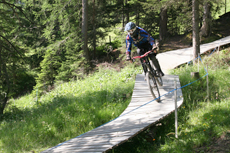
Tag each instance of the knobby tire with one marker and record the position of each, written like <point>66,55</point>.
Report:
<point>153,87</point>
<point>159,80</point>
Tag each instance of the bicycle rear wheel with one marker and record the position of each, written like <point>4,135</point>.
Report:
<point>153,87</point>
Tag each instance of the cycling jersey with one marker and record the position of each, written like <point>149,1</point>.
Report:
<point>141,38</point>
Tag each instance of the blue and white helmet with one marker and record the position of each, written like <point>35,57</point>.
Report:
<point>130,27</point>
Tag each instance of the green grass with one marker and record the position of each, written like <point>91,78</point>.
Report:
<point>69,110</point>
<point>200,119</point>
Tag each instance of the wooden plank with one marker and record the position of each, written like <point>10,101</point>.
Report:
<point>118,132</point>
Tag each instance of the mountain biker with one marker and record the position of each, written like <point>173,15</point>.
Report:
<point>143,41</point>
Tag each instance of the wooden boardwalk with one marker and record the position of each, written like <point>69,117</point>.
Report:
<point>172,59</point>
<point>142,112</point>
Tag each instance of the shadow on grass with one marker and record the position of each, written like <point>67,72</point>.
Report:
<point>58,120</point>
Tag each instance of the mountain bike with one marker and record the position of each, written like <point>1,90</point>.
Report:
<point>153,77</point>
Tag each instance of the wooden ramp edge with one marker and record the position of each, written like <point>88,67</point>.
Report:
<point>142,112</point>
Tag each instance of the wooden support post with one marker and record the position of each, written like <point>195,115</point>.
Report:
<point>175,95</point>
<point>195,75</point>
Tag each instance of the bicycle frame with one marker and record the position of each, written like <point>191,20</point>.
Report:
<point>150,72</point>
<point>146,63</point>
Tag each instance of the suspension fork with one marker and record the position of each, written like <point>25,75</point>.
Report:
<point>149,67</point>
<point>146,65</point>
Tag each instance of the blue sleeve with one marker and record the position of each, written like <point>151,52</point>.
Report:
<point>128,43</point>
<point>151,40</point>
<point>147,36</point>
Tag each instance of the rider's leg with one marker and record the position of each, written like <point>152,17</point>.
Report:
<point>156,64</point>
<point>140,52</point>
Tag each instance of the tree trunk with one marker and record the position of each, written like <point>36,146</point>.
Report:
<point>163,24</point>
<point>4,94</point>
<point>1,98</point>
<point>94,31</point>
<point>4,97</point>
<point>84,28</point>
<point>195,22</point>
<point>127,10</point>
<point>206,27</point>
<point>123,16</point>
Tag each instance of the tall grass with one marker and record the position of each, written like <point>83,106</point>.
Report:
<point>201,118</point>
<point>69,110</point>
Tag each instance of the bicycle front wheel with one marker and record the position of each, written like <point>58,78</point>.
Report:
<point>159,80</point>
<point>153,87</point>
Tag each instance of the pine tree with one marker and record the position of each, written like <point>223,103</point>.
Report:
<point>61,54</point>
<point>84,29</point>
<point>12,51</point>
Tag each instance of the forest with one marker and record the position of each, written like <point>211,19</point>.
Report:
<point>43,42</point>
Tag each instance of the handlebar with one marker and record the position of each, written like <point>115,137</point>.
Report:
<point>145,54</point>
